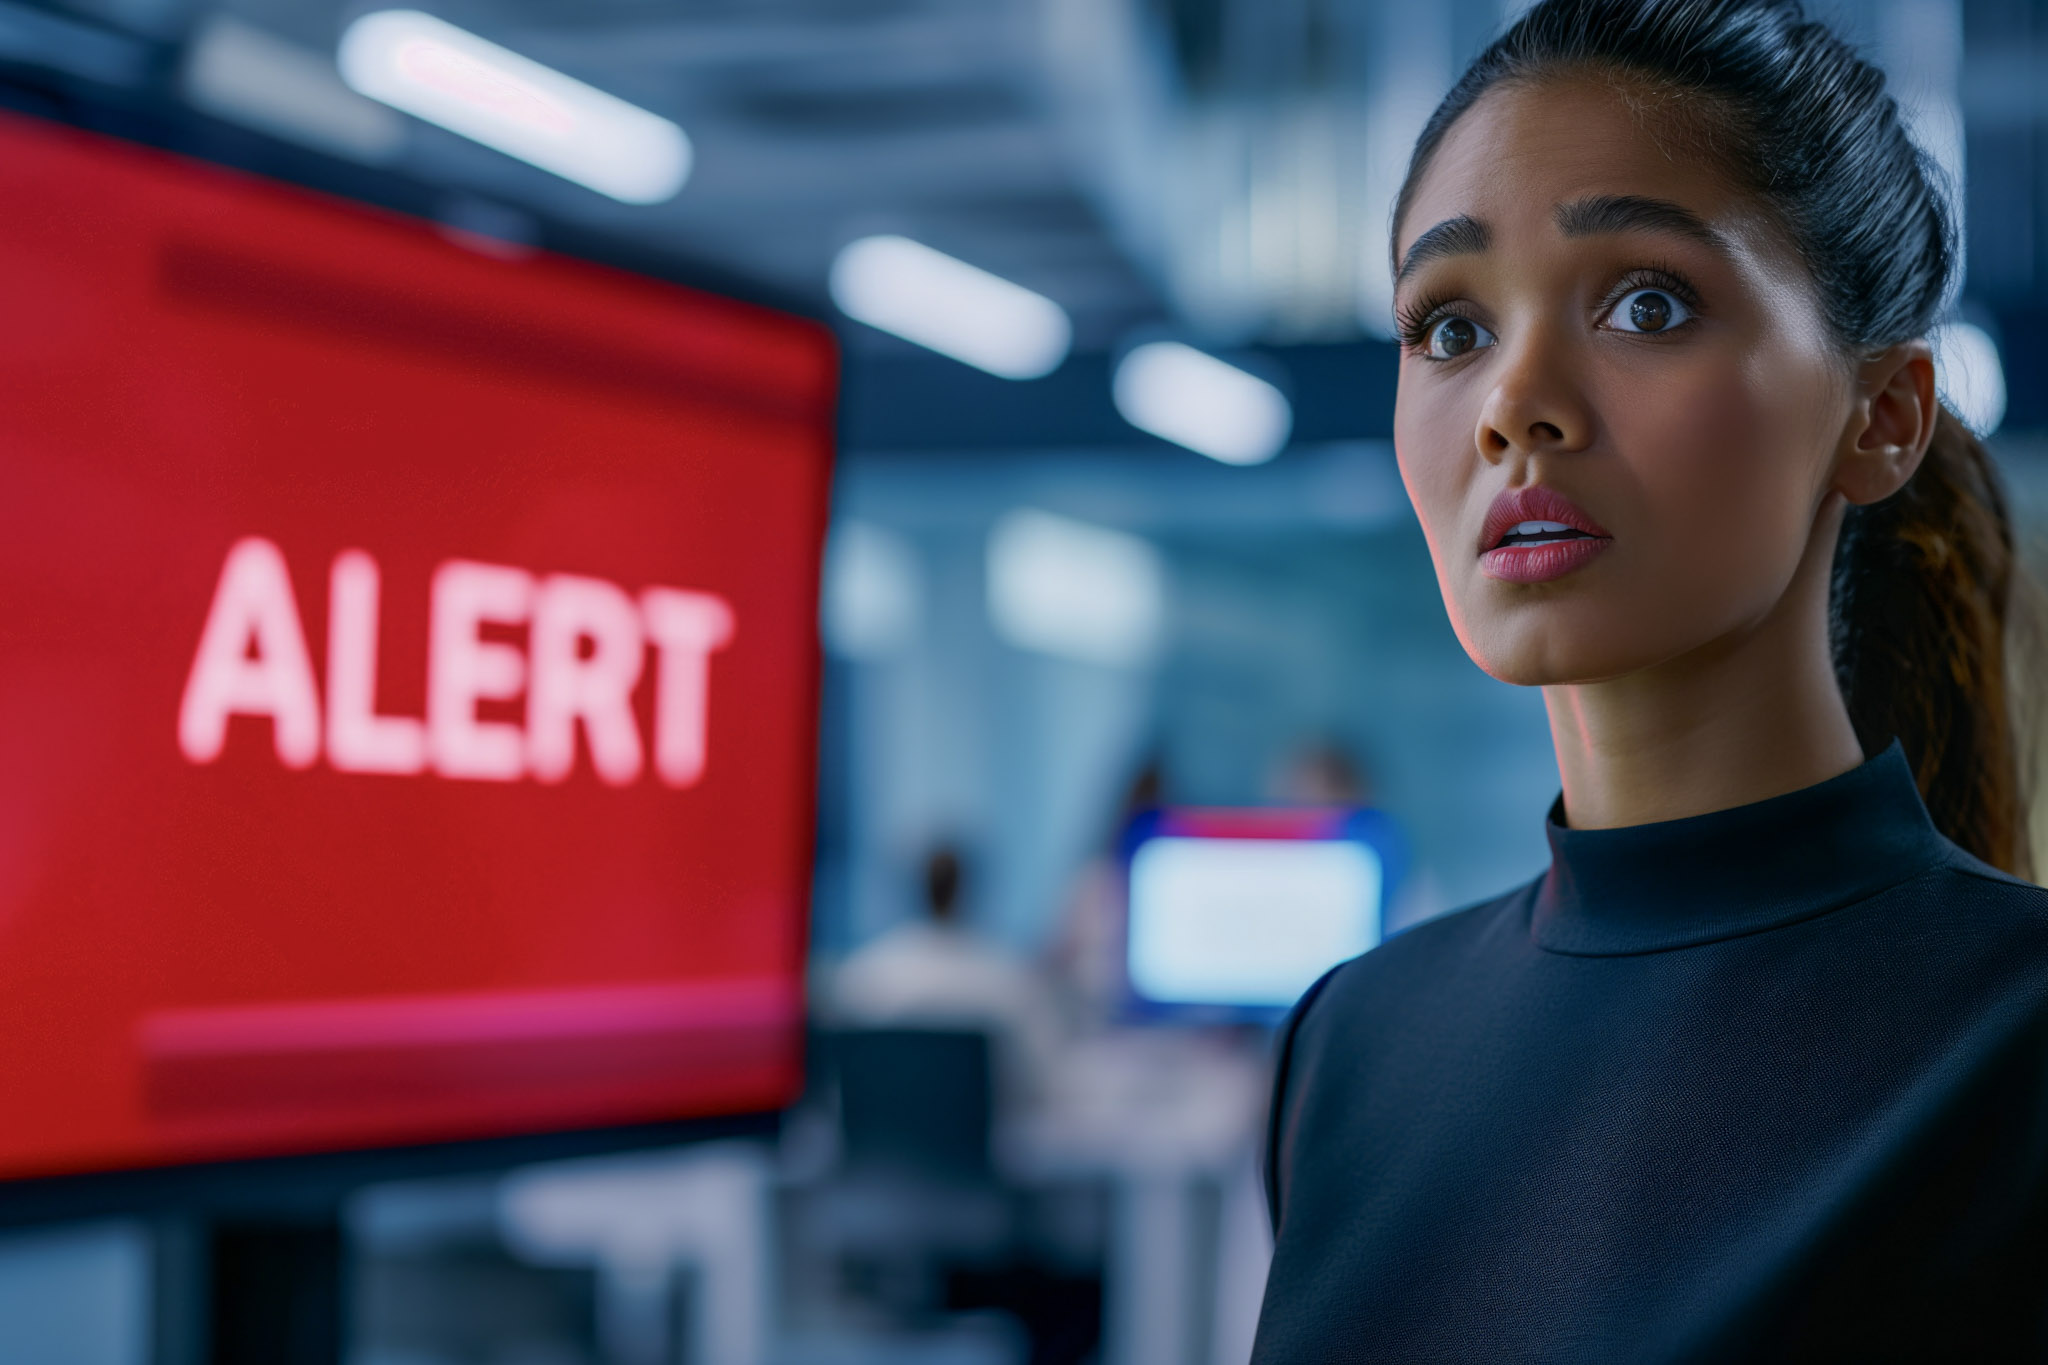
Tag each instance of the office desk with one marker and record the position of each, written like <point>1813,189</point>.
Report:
<point>1162,1115</point>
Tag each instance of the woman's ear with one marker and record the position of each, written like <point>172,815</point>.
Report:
<point>1890,424</point>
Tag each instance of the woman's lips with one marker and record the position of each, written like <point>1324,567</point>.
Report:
<point>1542,562</point>
<point>1555,553</point>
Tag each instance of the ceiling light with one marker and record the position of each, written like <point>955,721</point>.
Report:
<point>873,591</point>
<point>240,72</point>
<point>1193,399</point>
<point>1079,591</point>
<point>440,73</point>
<point>956,309</point>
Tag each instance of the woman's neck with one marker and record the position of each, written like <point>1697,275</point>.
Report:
<point>1752,715</point>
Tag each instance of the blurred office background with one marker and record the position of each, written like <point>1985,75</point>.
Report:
<point>1039,616</point>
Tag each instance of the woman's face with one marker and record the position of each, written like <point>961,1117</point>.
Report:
<point>1619,403</point>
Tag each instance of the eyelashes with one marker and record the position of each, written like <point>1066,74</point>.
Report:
<point>1414,319</point>
<point>1652,277</point>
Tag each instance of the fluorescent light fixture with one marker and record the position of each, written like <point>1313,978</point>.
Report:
<point>1193,399</point>
<point>239,72</point>
<point>440,73</point>
<point>1970,375</point>
<point>873,591</point>
<point>1081,592</point>
<point>953,308</point>
<point>1247,921</point>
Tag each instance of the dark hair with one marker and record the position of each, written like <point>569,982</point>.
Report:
<point>1925,582</point>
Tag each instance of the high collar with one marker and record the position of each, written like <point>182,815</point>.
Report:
<point>1676,883</point>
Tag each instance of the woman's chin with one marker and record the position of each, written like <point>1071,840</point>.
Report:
<point>1527,654</point>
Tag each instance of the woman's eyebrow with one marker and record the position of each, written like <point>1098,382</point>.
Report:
<point>1633,213</point>
<point>1452,237</point>
<point>1591,217</point>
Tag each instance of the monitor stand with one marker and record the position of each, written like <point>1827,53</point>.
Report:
<point>241,1290</point>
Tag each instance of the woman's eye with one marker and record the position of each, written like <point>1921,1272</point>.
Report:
<point>1647,310</point>
<point>1449,338</point>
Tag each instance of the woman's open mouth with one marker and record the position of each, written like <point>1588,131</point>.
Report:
<point>1535,534</point>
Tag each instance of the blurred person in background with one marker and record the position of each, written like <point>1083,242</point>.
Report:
<point>1759,1066</point>
<point>935,971</point>
<point>1085,957</point>
<point>1324,773</point>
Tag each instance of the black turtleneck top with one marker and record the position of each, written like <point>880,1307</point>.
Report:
<point>1769,1083</point>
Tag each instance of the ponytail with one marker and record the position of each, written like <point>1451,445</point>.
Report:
<point>1926,590</point>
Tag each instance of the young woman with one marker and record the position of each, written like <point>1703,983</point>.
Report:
<point>1759,1067</point>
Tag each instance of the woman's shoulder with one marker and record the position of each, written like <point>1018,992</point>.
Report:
<point>1426,955</point>
<point>1976,877</point>
<point>1971,901</point>
<point>1972,913</point>
<point>1379,994</point>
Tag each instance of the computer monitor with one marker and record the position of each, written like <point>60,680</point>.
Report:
<point>1237,912</point>
<point>408,677</point>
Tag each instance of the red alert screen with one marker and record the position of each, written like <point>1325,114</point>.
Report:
<point>408,676</point>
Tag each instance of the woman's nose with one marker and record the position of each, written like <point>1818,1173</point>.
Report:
<point>1533,408</point>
